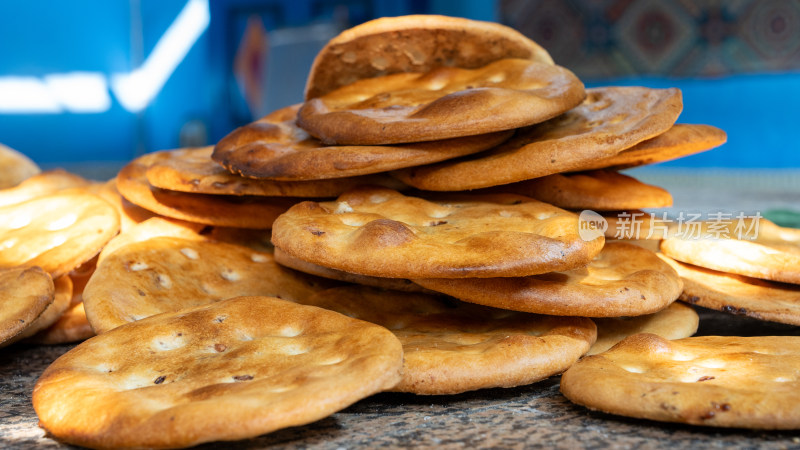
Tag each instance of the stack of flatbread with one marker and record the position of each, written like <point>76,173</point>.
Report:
<point>412,226</point>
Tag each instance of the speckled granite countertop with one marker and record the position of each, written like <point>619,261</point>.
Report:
<point>530,416</point>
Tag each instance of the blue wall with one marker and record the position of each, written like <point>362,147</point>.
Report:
<point>40,37</point>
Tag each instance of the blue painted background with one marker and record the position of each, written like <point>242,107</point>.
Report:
<point>39,37</point>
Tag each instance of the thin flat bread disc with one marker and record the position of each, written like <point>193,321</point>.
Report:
<point>274,147</point>
<point>41,184</point>
<point>382,233</point>
<point>62,298</point>
<point>395,284</point>
<point>193,170</point>
<point>597,190</point>
<point>752,247</point>
<point>679,141</point>
<point>676,321</point>
<point>15,167</point>
<point>152,228</point>
<point>72,326</point>
<point>218,210</point>
<point>129,214</point>
<point>451,347</point>
<point>566,143</point>
<point>416,43</point>
<point>56,232</point>
<point>24,294</point>
<point>228,371</point>
<point>717,381</point>
<point>166,274</point>
<point>623,280</point>
<point>443,103</point>
<point>738,294</point>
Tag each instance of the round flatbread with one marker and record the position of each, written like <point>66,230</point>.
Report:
<point>56,232</point>
<point>15,167</point>
<point>44,183</point>
<point>152,228</point>
<point>25,293</point>
<point>753,247</point>
<point>676,321</point>
<point>166,274</point>
<point>217,210</point>
<point>623,280</point>
<point>62,298</point>
<point>718,381</point>
<point>276,148</point>
<point>129,214</point>
<point>382,233</point>
<point>679,141</point>
<point>193,170</point>
<point>597,190</point>
<point>416,43</point>
<point>451,347</point>
<point>443,103</point>
<point>738,294</point>
<point>396,284</point>
<point>228,371</point>
<point>72,326</point>
<point>566,143</point>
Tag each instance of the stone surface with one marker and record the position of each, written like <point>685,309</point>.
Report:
<point>530,416</point>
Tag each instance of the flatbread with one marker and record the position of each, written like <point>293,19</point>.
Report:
<point>275,147</point>
<point>218,210</point>
<point>597,190</point>
<point>676,321</point>
<point>442,103</point>
<point>129,214</point>
<point>72,326</point>
<point>623,280</point>
<point>382,233</point>
<point>25,293</point>
<point>629,114</point>
<point>166,274</point>
<point>740,382</point>
<point>15,167</point>
<point>416,43</point>
<point>57,232</point>
<point>152,228</point>
<point>193,170</point>
<point>62,298</point>
<point>738,294</point>
<point>451,347</point>
<point>396,284</point>
<point>41,184</point>
<point>228,371</point>
<point>752,247</point>
<point>679,141</point>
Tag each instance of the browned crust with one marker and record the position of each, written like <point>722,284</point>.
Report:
<point>717,381</point>
<point>246,366</point>
<point>444,103</point>
<point>380,232</point>
<point>25,293</point>
<point>679,141</point>
<point>738,294</point>
<point>219,210</point>
<point>451,347</point>
<point>567,143</point>
<point>597,190</point>
<point>416,43</point>
<point>623,280</point>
